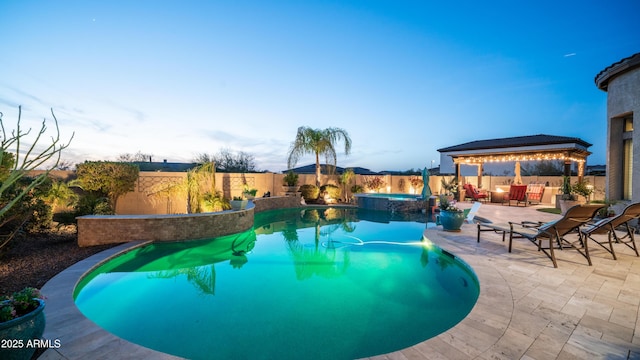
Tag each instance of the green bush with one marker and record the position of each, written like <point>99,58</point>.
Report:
<point>333,191</point>
<point>310,193</point>
<point>92,204</point>
<point>108,178</point>
<point>356,189</point>
<point>291,179</point>
<point>30,212</point>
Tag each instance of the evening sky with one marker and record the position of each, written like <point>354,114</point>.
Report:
<point>404,78</point>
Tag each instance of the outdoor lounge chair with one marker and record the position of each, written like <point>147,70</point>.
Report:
<point>534,193</point>
<point>608,226</point>
<point>553,231</point>
<point>471,214</point>
<point>473,193</point>
<point>517,193</point>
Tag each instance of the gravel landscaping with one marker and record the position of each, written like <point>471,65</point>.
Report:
<point>36,258</point>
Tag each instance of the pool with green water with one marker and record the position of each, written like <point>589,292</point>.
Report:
<point>313,284</point>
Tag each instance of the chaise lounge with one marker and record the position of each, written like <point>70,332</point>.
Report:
<point>554,232</point>
<point>608,226</point>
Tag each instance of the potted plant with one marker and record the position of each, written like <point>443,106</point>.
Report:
<point>451,217</point>
<point>568,198</point>
<point>290,181</point>
<point>582,188</point>
<point>249,193</point>
<point>449,188</point>
<point>21,320</point>
<point>238,203</point>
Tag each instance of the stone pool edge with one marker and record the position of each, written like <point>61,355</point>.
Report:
<point>81,338</point>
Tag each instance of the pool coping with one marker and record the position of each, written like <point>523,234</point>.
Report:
<point>523,310</point>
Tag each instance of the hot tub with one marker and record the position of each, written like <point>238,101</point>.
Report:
<point>391,202</point>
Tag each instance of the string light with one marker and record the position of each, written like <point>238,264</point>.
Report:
<point>480,159</point>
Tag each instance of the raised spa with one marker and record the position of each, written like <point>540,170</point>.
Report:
<point>304,283</point>
<point>391,202</point>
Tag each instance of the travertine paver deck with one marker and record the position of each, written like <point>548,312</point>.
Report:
<point>526,309</point>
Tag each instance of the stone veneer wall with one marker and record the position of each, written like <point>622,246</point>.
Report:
<point>112,229</point>
<point>385,204</point>
<point>278,202</point>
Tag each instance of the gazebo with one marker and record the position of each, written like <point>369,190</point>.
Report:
<point>517,149</point>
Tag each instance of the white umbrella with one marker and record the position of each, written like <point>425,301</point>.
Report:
<point>518,178</point>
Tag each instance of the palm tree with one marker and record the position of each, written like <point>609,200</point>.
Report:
<point>318,141</point>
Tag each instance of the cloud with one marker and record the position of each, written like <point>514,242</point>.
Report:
<point>24,94</point>
<point>135,113</point>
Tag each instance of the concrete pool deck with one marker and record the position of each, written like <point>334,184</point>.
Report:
<point>526,309</point>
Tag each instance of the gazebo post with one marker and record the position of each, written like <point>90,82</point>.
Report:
<point>580,170</point>
<point>480,175</point>
<point>567,167</point>
<point>458,175</point>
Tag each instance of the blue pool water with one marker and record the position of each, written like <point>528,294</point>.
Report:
<point>312,284</point>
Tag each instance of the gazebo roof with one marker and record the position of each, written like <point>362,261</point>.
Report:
<point>518,141</point>
<point>533,147</point>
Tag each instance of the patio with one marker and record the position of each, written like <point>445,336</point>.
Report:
<point>526,309</point>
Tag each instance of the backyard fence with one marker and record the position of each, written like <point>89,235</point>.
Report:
<point>146,199</point>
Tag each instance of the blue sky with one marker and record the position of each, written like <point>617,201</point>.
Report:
<point>404,78</point>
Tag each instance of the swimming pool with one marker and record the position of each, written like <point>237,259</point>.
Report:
<point>313,283</point>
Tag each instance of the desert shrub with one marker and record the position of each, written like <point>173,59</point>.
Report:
<point>30,212</point>
<point>356,189</point>
<point>310,192</point>
<point>215,202</point>
<point>331,190</point>
<point>92,204</point>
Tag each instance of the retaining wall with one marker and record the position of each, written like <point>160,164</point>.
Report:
<point>113,229</point>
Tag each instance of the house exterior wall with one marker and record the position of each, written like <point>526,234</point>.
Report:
<point>623,99</point>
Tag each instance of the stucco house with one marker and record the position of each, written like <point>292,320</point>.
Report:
<point>621,82</point>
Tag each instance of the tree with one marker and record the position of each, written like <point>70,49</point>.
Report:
<point>16,161</point>
<point>345,180</point>
<point>543,168</point>
<point>318,142</point>
<point>137,157</point>
<point>199,187</point>
<point>228,161</point>
<point>65,165</point>
<point>109,178</point>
